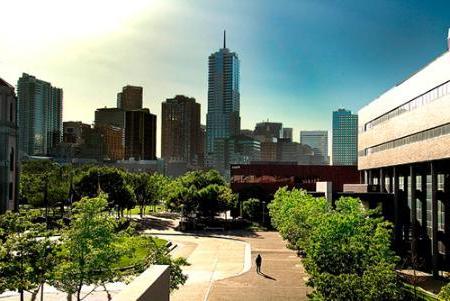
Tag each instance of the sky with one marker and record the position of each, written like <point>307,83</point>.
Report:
<point>300,59</point>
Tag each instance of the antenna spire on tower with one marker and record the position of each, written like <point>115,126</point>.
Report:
<point>224,39</point>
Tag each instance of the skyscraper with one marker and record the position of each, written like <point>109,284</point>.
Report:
<point>268,131</point>
<point>140,135</point>
<point>8,147</point>
<point>40,115</point>
<point>130,98</point>
<point>318,141</point>
<point>345,137</point>
<point>180,131</point>
<point>287,133</point>
<point>223,119</point>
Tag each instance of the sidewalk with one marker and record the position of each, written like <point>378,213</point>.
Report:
<point>282,279</point>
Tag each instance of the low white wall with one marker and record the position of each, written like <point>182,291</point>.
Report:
<point>151,285</point>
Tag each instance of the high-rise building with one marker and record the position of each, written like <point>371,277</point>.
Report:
<point>235,150</point>
<point>73,131</point>
<point>318,141</point>
<point>180,131</point>
<point>8,147</point>
<point>287,133</point>
<point>223,119</point>
<point>39,114</point>
<point>113,141</point>
<point>130,98</point>
<point>268,131</point>
<point>345,138</point>
<point>140,135</point>
<point>110,116</point>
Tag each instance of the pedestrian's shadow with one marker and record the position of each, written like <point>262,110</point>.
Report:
<point>267,276</point>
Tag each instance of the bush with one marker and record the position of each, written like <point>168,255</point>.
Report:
<point>252,209</point>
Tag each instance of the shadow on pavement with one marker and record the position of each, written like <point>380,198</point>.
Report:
<point>267,276</point>
<point>152,223</point>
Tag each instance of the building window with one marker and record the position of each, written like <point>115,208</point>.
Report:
<point>11,160</point>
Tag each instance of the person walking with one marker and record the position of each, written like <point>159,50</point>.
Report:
<point>258,263</point>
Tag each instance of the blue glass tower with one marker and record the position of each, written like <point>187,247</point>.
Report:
<point>345,138</point>
<point>222,119</point>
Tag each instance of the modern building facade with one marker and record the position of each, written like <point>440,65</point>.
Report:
<point>130,98</point>
<point>235,150</point>
<point>287,133</point>
<point>404,149</point>
<point>140,135</point>
<point>180,131</point>
<point>318,141</point>
<point>73,131</point>
<point>113,141</point>
<point>39,115</point>
<point>8,147</point>
<point>268,131</point>
<point>222,119</point>
<point>110,116</point>
<point>345,138</point>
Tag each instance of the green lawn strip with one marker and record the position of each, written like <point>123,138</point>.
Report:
<point>148,209</point>
<point>142,246</point>
<point>420,293</point>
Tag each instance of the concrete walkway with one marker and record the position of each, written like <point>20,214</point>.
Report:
<point>283,275</point>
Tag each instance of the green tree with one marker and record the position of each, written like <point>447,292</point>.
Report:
<point>25,252</point>
<point>252,209</point>
<point>349,255</point>
<point>295,214</point>
<point>444,294</point>
<point>88,248</point>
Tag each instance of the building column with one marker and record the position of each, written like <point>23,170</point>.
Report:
<point>381,180</point>
<point>434,222</point>
<point>397,226</point>
<point>412,186</point>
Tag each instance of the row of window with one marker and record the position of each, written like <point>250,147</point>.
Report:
<point>419,101</point>
<point>417,137</point>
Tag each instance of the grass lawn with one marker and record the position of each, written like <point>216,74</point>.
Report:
<point>148,209</point>
<point>142,247</point>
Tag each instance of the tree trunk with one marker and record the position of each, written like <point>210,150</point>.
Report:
<point>69,296</point>
<point>79,293</point>
<point>21,295</point>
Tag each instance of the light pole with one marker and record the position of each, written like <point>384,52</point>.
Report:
<point>264,213</point>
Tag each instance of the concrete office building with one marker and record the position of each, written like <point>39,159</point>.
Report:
<point>318,141</point>
<point>73,131</point>
<point>180,131</point>
<point>287,133</point>
<point>268,131</point>
<point>130,98</point>
<point>404,149</point>
<point>40,115</point>
<point>8,147</point>
<point>235,150</point>
<point>110,116</point>
<point>345,138</point>
<point>223,119</point>
<point>140,135</point>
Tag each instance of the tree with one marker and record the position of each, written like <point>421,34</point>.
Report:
<point>349,255</point>
<point>88,248</point>
<point>251,209</point>
<point>295,214</point>
<point>25,253</point>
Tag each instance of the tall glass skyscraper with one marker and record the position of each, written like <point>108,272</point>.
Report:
<point>222,119</point>
<point>318,141</point>
<point>345,138</point>
<point>39,115</point>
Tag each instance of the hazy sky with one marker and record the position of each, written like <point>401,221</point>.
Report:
<point>300,59</point>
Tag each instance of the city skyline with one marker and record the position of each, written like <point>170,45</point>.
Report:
<point>286,72</point>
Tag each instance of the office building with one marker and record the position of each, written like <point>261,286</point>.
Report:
<point>222,119</point>
<point>112,141</point>
<point>8,148</point>
<point>73,131</point>
<point>345,138</point>
<point>130,98</point>
<point>268,131</point>
<point>180,131</point>
<point>39,115</point>
<point>140,135</point>
<point>110,116</point>
<point>318,141</point>
<point>287,133</point>
<point>235,150</point>
<point>404,150</point>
